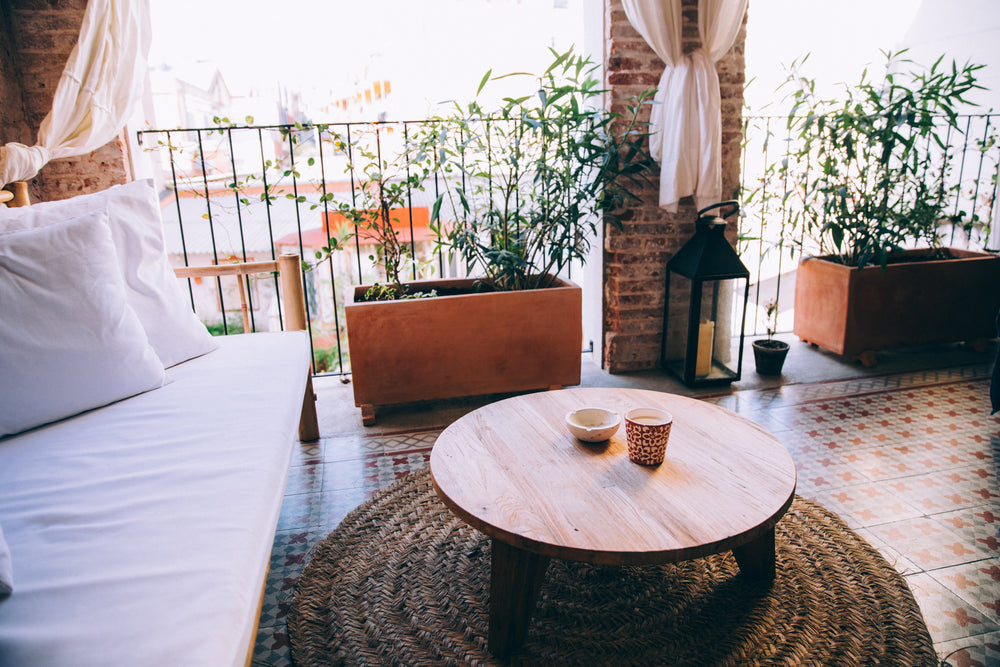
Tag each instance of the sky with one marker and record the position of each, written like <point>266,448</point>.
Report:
<point>967,30</point>
<point>436,50</point>
<point>844,37</point>
<point>431,50</point>
<point>840,37</point>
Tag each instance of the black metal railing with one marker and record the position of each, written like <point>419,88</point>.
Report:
<point>249,192</point>
<point>771,241</point>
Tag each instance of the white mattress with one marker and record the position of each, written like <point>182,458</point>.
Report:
<point>140,533</point>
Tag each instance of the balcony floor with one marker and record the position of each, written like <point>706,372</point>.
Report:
<point>905,452</point>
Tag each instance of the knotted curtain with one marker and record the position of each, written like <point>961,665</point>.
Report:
<point>687,116</point>
<point>102,79</point>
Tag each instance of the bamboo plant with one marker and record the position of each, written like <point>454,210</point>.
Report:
<point>530,182</point>
<point>869,168</point>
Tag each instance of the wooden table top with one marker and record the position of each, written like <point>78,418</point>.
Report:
<point>514,471</point>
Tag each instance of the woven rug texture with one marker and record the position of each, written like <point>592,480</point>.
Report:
<point>402,581</point>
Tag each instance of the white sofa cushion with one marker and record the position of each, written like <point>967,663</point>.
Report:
<point>153,290</point>
<point>69,341</point>
<point>141,532</point>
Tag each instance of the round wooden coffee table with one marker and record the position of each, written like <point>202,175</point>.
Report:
<point>512,470</point>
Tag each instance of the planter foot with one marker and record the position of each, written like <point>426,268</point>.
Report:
<point>867,359</point>
<point>368,414</point>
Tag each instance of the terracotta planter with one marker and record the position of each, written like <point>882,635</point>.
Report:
<point>856,313</point>
<point>769,356</point>
<point>464,345</point>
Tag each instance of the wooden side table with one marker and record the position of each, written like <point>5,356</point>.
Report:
<point>512,470</point>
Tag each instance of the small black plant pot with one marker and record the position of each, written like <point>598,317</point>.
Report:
<point>769,355</point>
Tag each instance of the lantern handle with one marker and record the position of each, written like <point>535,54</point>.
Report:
<point>732,202</point>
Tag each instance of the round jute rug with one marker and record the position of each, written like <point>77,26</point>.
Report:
<point>402,581</point>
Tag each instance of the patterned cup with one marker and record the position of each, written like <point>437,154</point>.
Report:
<point>646,432</point>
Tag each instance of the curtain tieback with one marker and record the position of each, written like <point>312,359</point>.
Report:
<point>19,162</point>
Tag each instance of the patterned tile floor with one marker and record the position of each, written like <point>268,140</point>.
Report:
<point>910,461</point>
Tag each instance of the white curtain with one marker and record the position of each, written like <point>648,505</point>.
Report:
<point>687,117</point>
<point>102,79</point>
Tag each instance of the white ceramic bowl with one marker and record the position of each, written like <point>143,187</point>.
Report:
<point>593,424</point>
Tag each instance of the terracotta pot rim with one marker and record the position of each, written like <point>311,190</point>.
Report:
<point>953,255</point>
<point>851,312</point>
<point>427,284</point>
<point>772,345</point>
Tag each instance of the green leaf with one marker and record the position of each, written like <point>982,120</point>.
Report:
<point>484,81</point>
<point>436,209</point>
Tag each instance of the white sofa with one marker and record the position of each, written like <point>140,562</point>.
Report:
<point>138,531</point>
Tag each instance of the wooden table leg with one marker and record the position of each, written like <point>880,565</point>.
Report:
<point>515,579</point>
<point>756,558</point>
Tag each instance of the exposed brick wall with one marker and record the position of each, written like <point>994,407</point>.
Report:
<point>40,35</point>
<point>13,126</point>
<point>635,257</point>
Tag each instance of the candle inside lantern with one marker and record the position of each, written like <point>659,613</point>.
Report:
<point>706,342</point>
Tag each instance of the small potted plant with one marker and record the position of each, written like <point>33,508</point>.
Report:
<point>769,354</point>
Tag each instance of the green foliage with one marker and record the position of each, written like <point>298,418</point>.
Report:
<point>869,169</point>
<point>234,325</point>
<point>328,359</point>
<point>378,292</point>
<point>385,184</point>
<point>527,184</point>
<point>532,180</point>
<point>274,175</point>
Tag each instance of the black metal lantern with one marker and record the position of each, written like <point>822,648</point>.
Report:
<point>705,281</point>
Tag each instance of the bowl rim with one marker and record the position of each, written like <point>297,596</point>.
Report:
<point>614,418</point>
<point>631,415</point>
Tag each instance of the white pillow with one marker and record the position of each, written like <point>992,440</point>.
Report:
<point>6,571</point>
<point>69,341</point>
<point>153,290</point>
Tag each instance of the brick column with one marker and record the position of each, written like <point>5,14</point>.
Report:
<point>13,126</point>
<point>635,257</point>
<point>40,34</point>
